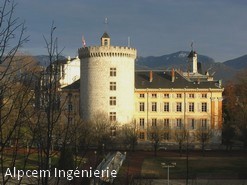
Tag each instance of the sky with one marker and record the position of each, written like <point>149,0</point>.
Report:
<point>217,28</point>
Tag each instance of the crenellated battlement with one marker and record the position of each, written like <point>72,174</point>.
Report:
<point>107,51</point>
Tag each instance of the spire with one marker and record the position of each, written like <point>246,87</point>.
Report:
<point>105,35</point>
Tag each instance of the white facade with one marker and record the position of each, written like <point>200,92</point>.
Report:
<point>70,71</point>
<point>107,81</point>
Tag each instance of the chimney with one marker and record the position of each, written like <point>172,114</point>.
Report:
<point>150,76</point>
<point>173,75</point>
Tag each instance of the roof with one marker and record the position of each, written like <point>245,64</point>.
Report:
<point>163,80</point>
<point>105,35</point>
<point>75,85</point>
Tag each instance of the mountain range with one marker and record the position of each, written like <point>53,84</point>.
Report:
<point>225,71</point>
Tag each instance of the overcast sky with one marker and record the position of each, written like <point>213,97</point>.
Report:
<point>218,28</point>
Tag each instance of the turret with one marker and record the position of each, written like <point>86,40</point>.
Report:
<point>105,40</point>
<point>105,69</point>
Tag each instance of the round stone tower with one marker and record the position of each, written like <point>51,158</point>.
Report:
<point>107,81</point>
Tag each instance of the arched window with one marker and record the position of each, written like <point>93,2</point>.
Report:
<point>105,42</point>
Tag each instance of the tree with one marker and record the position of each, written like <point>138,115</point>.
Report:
<point>180,137</point>
<point>48,111</point>
<point>241,107</point>
<point>104,131</point>
<point>130,136</point>
<point>155,135</point>
<point>16,95</point>
<point>229,109</point>
<point>228,132</point>
<point>235,105</point>
<point>203,136</point>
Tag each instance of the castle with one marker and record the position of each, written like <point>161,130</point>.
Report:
<point>163,101</point>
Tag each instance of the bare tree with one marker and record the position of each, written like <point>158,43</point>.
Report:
<point>155,135</point>
<point>130,136</point>
<point>16,93</point>
<point>203,136</point>
<point>181,136</point>
<point>49,108</point>
<point>104,131</point>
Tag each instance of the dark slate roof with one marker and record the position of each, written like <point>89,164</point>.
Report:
<point>192,54</point>
<point>105,35</point>
<point>75,85</point>
<point>162,79</point>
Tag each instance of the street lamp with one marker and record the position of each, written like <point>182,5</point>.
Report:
<point>168,165</point>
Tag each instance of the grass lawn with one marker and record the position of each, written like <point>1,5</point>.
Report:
<point>32,162</point>
<point>199,167</point>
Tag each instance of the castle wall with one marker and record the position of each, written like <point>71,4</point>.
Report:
<point>95,93</point>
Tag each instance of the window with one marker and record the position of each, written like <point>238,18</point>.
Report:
<point>166,122</point>
<point>191,107</point>
<point>191,95</point>
<point>113,86</point>
<point>204,95</point>
<point>154,95</point>
<point>204,107</point>
<point>142,136</point>
<point>113,71</point>
<point>179,123</point>
<point>154,106</point>
<point>113,116</point>
<point>204,123</point>
<point>166,136</point>
<point>105,42</point>
<point>179,107</point>
<point>113,100</point>
<point>179,95</point>
<point>142,122</point>
<point>154,122</point>
<point>142,95</point>
<point>142,107</point>
<point>166,95</point>
<point>166,106</point>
